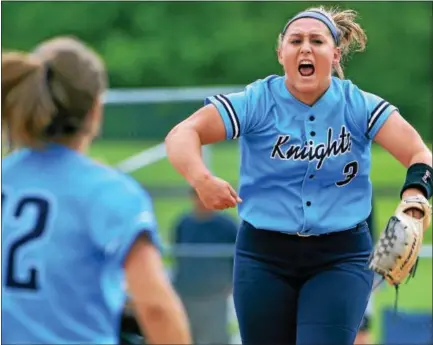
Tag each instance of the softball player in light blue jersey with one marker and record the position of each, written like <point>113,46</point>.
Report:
<point>305,193</point>
<point>74,232</point>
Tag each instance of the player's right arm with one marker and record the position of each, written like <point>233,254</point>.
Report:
<point>224,117</point>
<point>184,142</point>
<point>157,307</point>
<point>183,145</point>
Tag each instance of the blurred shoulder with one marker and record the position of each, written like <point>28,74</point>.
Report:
<point>13,158</point>
<point>108,181</point>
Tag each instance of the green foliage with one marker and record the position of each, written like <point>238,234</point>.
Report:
<point>149,44</point>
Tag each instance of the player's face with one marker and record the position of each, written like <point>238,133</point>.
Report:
<point>307,53</point>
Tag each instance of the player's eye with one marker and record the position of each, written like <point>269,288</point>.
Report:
<point>317,41</point>
<point>295,41</point>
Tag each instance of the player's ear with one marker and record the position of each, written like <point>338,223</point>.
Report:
<point>279,50</point>
<point>279,55</point>
<point>337,56</point>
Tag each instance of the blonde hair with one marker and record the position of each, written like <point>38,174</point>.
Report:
<point>48,93</point>
<point>352,36</point>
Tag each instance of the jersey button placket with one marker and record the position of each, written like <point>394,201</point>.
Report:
<point>309,180</point>
<point>307,191</point>
<point>309,127</point>
<point>311,119</point>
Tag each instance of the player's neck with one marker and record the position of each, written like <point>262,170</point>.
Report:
<point>79,143</point>
<point>308,98</point>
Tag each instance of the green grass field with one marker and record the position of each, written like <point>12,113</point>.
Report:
<point>386,172</point>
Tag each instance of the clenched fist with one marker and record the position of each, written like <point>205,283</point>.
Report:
<point>216,194</point>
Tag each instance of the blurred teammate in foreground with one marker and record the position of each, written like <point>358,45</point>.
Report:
<point>302,254</point>
<point>74,232</point>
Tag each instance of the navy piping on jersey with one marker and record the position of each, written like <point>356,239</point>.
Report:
<point>375,114</point>
<point>232,114</point>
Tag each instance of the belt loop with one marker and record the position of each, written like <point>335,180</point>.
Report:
<point>305,235</point>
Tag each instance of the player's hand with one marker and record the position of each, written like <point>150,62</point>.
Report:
<point>216,194</point>
<point>413,212</point>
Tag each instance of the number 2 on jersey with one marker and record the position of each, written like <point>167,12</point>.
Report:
<point>31,282</point>
<point>350,170</point>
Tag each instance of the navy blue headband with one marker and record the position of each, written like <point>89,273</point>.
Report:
<point>319,16</point>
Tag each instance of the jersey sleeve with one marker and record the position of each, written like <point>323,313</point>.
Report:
<point>370,111</point>
<point>240,111</point>
<point>121,213</point>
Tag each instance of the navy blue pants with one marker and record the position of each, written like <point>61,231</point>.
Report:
<point>301,290</point>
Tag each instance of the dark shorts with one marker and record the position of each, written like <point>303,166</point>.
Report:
<point>301,290</point>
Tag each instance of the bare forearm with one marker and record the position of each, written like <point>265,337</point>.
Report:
<point>165,323</point>
<point>165,328</point>
<point>424,156</point>
<point>184,153</point>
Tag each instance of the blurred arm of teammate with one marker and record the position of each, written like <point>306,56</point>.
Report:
<point>183,145</point>
<point>157,307</point>
<point>399,138</point>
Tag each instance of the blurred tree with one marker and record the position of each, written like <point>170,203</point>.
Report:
<point>150,44</point>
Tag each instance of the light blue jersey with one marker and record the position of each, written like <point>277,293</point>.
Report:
<point>67,226</point>
<point>304,169</point>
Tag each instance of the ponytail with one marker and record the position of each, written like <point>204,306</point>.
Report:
<point>27,107</point>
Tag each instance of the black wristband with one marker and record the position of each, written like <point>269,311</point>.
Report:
<point>419,175</point>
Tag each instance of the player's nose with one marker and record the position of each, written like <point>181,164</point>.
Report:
<point>306,47</point>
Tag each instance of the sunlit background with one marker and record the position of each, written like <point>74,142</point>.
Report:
<point>164,58</point>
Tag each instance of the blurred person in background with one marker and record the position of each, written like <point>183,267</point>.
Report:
<point>203,271</point>
<point>301,263</point>
<point>73,231</point>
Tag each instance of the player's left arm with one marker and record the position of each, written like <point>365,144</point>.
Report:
<point>399,138</point>
<point>396,253</point>
<point>380,121</point>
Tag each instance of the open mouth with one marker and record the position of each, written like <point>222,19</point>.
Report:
<point>306,68</point>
